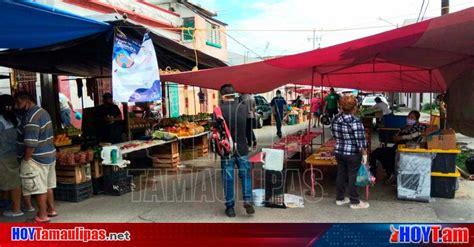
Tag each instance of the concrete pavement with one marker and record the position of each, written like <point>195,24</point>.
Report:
<point>197,197</point>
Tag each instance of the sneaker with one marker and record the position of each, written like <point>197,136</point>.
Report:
<point>361,205</point>
<point>230,212</point>
<point>12,214</point>
<point>28,210</point>
<point>249,208</point>
<point>342,202</point>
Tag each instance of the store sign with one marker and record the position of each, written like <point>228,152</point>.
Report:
<point>173,93</point>
<point>135,73</point>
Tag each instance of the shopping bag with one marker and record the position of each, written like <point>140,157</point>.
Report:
<point>363,176</point>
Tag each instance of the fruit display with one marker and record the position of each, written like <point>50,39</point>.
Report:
<point>72,131</point>
<point>69,158</point>
<point>62,140</point>
<point>185,129</point>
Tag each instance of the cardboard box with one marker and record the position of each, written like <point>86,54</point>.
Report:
<point>445,140</point>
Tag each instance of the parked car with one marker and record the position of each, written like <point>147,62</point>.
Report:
<point>369,101</point>
<point>263,110</point>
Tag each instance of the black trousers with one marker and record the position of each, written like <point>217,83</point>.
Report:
<point>249,131</point>
<point>332,113</point>
<point>386,156</point>
<point>347,169</point>
<point>278,120</point>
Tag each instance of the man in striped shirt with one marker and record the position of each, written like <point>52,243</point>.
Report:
<point>37,154</point>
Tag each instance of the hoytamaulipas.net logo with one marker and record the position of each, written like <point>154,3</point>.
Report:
<point>429,234</point>
<point>73,234</point>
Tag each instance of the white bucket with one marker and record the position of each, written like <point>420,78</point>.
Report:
<point>258,197</point>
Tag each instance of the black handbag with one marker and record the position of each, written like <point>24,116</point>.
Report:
<point>325,120</point>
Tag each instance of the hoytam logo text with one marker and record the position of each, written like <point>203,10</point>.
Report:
<point>73,234</point>
<point>435,234</point>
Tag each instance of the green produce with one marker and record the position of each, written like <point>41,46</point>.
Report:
<point>162,135</point>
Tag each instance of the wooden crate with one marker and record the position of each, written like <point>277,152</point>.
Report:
<point>189,154</point>
<point>166,156</point>
<point>203,151</point>
<point>72,174</point>
<point>169,148</point>
<point>97,170</point>
<point>166,160</point>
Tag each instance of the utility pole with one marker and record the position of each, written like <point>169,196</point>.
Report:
<point>315,38</point>
<point>444,7</point>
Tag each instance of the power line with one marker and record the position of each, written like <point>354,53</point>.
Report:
<point>238,42</point>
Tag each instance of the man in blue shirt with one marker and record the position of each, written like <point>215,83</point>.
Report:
<point>278,106</point>
<point>37,154</point>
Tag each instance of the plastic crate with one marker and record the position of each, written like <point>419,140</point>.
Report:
<point>118,187</point>
<point>73,192</point>
<point>445,163</point>
<point>444,185</point>
<point>275,186</point>
<point>98,185</point>
<point>109,173</point>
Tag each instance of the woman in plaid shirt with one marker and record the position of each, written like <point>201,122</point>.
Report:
<point>351,152</point>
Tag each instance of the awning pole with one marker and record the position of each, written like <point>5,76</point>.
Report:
<point>310,101</point>
<point>431,99</point>
<point>322,97</point>
<point>194,99</point>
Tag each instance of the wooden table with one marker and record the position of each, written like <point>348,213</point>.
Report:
<point>141,145</point>
<point>313,161</point>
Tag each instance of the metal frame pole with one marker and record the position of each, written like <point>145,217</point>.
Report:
<point>310,101</point>
<point>431,98</point>
<point>322,97</point>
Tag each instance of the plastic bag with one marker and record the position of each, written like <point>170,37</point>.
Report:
<point>363,176</point>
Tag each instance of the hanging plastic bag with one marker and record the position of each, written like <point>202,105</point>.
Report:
<point>363,176</point>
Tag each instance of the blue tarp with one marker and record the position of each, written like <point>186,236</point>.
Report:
<point>25,24</point>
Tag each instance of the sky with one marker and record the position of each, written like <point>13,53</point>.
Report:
<point>250,20</point>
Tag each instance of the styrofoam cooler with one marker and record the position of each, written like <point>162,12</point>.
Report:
<point>274,159</point>
<point>414,176</point>
<point>258,197</point>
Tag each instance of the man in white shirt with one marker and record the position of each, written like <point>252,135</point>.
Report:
<point>66,108</point>
<point>381,106</point>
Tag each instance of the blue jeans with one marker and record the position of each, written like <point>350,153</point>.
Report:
<point>66,117</point>
<point>228,173</point>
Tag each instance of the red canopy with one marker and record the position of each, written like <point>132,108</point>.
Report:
<point>423,57</point>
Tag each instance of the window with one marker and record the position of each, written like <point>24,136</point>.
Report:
<point>213,35</point>
<point>188,33</point>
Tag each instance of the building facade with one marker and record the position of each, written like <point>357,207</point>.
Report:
<point>202,32</point>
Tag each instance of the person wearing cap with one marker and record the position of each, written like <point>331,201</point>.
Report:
<point>332,103</point>
<point>109,117</point>
<point>278,104</point>
<point>235,115</point>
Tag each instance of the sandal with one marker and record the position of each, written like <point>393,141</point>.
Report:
<point>54,214</point>
<point>39,220</point>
